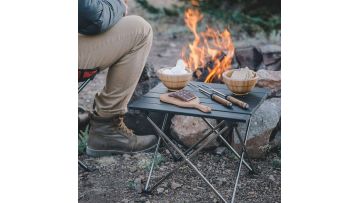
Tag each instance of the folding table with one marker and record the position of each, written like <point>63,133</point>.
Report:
<point>228,119</point>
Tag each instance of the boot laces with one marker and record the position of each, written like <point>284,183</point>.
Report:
<point>124,128</point>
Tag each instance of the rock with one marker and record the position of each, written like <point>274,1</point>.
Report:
<point>106,161</point>
<point>126,156</point>
<point>221,181</point>
<point>248,56</point>
<point>272,178</point>
<point>160,190</point>
<point>125,201</point>
<point>163,168</point>
<point>144,163</point>
<point>188,130</point>
<point>276,141</point>
<point>263,57</point>
<point>276,163</point>
<point>142,177</point>
<point>138,186</point>
<point>165,184</point>
<point>264,120</point>
<point>136,120</point>
<point>175,185</point>
<point>270,48</point>
<point>133,169</point>
<point>220,150</point>
<point>83,118</point>
<point>271,57</point>
<point>271,80</point>
<point>148,73</point>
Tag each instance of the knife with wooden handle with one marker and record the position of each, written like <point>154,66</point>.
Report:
<point>217,98</point>
<point>237,102</point>
<point>213,96</point>
<point>230,98</point>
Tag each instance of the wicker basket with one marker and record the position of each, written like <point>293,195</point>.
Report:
<point>174,82</point>
<point>239,86</point>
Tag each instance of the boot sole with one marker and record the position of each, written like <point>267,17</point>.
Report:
<point>99,153</point>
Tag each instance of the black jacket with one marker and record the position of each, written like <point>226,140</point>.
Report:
<point>97,16</point>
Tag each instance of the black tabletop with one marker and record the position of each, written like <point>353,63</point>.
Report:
<point>151,102</point>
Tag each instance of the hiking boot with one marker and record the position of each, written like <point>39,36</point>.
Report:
<point>110,136</point>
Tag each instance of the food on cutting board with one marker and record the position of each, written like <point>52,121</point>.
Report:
<point>184,95</point>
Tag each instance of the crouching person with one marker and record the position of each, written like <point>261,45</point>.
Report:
<point>108,38</point>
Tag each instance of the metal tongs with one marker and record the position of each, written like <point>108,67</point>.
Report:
<point>213,96</point>
<point>229,98</point>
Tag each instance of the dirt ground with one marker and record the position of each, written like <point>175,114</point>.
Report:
<point>115,178</point>
<point>118,178</point>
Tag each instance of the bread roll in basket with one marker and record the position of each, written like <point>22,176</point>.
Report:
<point>237,86</point>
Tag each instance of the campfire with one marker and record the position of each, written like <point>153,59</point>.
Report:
<point>211,52</point>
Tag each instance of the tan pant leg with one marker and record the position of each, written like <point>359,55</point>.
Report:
<point>124,49</point>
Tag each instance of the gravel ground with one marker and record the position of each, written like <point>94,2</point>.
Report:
<point>120,179</point>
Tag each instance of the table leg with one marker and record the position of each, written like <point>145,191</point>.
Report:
<point>228,145</point>
<point>156,152</point>
<point>244,150</point>
<point>187,159</point>
<point>174,157</point>
<point>241,161</point>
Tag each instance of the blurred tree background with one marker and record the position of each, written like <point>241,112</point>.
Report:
<point>250,16</point>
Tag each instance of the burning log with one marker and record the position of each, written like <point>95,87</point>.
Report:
<point>201,73</point>
<point>211,52</point>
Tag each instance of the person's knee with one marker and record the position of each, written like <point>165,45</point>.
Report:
<point>142,25</point>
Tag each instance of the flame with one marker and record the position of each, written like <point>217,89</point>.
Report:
<point>210,45</point>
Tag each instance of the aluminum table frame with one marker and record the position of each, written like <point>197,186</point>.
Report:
<point>187,155</point>
<point>225,123</point>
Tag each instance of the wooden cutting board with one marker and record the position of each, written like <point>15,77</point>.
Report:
<point>195,103</point>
